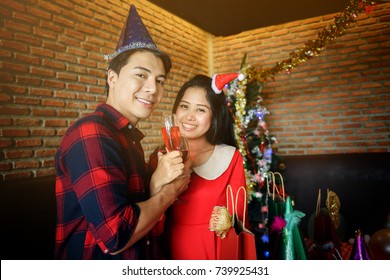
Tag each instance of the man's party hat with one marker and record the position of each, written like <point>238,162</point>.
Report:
<point>134,36</point>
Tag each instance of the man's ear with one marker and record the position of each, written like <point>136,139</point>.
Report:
<point>112,77</point>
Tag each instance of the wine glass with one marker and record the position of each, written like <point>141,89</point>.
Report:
<point>185,154</point>
<point>170,133</point>
<point>184,148</point>
<point>173,140</point>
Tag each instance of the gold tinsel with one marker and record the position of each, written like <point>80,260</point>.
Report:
<point>314,47</point>
<point>239,125</point>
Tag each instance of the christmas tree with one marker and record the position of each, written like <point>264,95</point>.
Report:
<point>254,142</point>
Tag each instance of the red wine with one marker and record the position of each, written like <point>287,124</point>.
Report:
<point>172,143</point>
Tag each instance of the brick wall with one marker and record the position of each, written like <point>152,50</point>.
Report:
<point>335,103</point>
<point>52,73</point>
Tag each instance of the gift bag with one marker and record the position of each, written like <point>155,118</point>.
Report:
<point>285,236</point>
<point>276,203</point>
<point>246,246</point>
<point>323,233</point>
<point>276,196</point>
<point>234,240</point>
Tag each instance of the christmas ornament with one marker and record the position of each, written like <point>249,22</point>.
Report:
<point>221,221</point>
<point>379,245</point>
<point>333,204</point>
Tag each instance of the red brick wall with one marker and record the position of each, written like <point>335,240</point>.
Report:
<point>52,73</point>
<point>338,102</point>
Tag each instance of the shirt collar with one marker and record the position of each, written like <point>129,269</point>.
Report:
<point>217,164</point>
<point>119,121</point>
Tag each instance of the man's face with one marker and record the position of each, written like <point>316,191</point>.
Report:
<point>138,88</point>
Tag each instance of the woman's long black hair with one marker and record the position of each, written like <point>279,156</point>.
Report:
<point>221,129</point>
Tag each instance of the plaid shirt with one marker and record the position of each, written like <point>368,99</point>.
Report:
<point>101,173</point>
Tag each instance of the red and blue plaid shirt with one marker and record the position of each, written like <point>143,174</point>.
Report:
<point>101,174</point>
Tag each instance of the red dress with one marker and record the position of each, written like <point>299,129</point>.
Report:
<point>188,221</point>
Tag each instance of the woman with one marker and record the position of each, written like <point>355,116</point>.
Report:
<point>204,118</point>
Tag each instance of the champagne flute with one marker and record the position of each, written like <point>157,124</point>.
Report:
<point>184,148</point>
<point>173,140</point>
<point>170,133</point>
<point>162,148</point>
<point>185,154</point>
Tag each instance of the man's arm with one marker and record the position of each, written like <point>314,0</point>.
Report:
<point>152,209</point>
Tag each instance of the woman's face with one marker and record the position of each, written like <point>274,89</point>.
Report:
<point>193,114</point>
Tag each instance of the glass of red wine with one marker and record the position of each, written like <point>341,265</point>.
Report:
<point>173,140</point>
<point>182,147</point>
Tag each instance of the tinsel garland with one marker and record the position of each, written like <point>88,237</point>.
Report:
<point>313,48</point>
<point>258,159</point>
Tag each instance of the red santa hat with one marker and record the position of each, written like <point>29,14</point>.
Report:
<point>220,80</point>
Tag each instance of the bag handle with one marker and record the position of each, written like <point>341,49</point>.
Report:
<point>272,175</point>
<point>229,191</point>
<point>244,212</point>
<point>274,188</point>
<point>267,182</point>
<point>318,207</point>
<point>282,183</point>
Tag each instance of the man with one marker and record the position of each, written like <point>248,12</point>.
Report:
<point>106,200</point>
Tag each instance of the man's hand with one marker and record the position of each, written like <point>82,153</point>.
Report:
<point>169,167</point>
<point>176,187</point>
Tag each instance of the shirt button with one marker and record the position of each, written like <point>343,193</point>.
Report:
<point>130,126</point>
<point>147,242</point>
